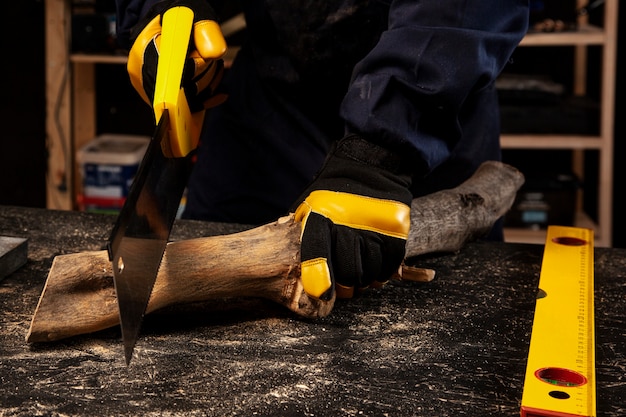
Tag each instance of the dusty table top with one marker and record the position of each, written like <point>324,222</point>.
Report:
<point>452,347</point>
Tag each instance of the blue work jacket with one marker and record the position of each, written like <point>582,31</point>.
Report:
<point>416,76</point>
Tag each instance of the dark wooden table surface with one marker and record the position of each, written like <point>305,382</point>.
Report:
<point>456,346</point>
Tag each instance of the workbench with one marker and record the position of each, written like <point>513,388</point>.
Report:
<point>455,346</point>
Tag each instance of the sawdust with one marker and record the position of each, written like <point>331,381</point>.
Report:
<point>452,347</point>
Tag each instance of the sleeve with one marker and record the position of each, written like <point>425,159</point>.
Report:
<point>128,13</point>
<point>410,89</point>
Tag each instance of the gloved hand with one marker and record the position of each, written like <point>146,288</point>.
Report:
<point>204,67</point>
<point>355,220</point>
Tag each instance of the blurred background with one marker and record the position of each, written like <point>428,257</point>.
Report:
<point>118,110</point>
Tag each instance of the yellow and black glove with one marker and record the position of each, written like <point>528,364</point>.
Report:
<point>355,220</point>
<point>204,67</point>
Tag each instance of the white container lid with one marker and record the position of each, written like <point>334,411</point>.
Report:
<point>114,149</point>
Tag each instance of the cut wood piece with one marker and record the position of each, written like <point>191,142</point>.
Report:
<point>415,274</point>
<point>79,294</point>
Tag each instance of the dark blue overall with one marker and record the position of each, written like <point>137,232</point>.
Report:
<point>416,76</point>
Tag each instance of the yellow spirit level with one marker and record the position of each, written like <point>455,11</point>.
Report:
<point>560,375</point>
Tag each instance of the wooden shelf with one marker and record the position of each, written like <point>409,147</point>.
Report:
<point>98,59</point>
<point>587,35</point>
<point>538,236</point>
<point>82,58</point>
<point>543,141</point>
<point>584,35</point>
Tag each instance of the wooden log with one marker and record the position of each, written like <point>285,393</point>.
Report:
<point>79,294</point>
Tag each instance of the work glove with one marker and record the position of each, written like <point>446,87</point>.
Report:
<point>203,68</point>
<point>355,220</point>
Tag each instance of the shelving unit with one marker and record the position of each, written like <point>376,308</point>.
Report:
<point>71,100</point>
<point>587,35</point>
<point>71,108</point>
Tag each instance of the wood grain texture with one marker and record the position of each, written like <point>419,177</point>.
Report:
<point>79,295</point>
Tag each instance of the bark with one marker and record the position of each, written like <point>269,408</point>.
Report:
<point>79,294</point>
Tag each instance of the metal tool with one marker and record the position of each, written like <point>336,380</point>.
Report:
<point>140,235</point>
<point>560,373</point>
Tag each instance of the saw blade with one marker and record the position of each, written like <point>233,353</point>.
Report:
<point>140,235</point>
<point>142,231</point>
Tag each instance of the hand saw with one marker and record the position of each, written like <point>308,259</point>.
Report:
<point>142,229</point>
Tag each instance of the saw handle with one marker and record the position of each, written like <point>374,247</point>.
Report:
<point>184,133</point>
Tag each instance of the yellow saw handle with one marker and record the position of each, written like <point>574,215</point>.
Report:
<point>184,131</point>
